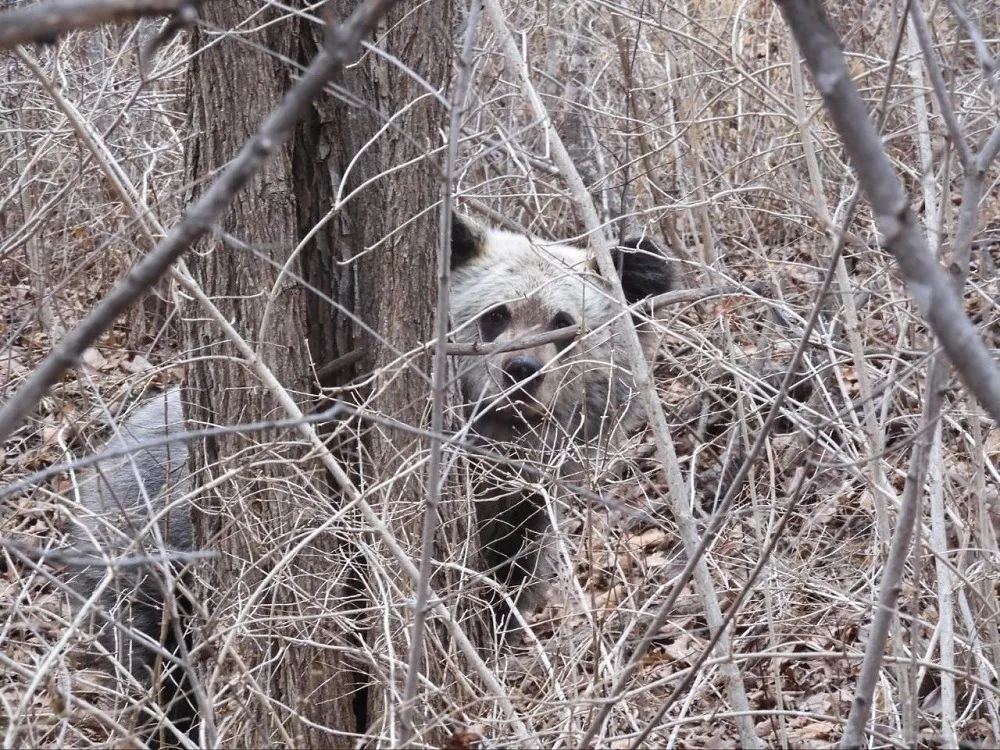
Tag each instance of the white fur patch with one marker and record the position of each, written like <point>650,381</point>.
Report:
<point>579,386</point>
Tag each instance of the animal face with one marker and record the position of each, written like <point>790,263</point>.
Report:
<point>507,287</point>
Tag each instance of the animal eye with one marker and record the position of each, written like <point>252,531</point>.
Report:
<point>561,320</point>
<point>494,322</point>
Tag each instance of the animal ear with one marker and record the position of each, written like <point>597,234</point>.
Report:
<point>467,240</point>
<point>644,270</point>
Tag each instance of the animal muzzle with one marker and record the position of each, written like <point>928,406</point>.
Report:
<point>522,376</point>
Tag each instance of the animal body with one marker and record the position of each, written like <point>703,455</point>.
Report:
<point>560,401</point>
<point>132,508</point>
<point>557,405</point>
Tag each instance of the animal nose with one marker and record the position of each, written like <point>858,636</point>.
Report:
<point>520,369</point>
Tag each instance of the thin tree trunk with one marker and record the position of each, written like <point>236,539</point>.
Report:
<point>396,279</point>
<point>384,277</point>
<point>285,678</point>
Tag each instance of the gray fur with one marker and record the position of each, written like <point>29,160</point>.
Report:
<point>120,497</point>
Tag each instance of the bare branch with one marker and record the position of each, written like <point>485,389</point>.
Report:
<point>931,286</point>
<point>940,88</point>
<point>680,296</point>
<point>44,22</point>
<point>926,280</point>
<point>676,297</point>
<point>722,510</point>
<point>439,386</point>
<point>799,487</point>
<point>986,61</point>
<point>342,43</point>
<point>351,492</point>
<point>665,450</point>
<point>899,548</point>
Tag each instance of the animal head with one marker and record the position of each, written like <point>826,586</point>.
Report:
<point>506,287</point>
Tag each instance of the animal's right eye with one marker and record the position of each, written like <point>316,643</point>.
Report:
<point>561,320</point>
<point>494,322</point>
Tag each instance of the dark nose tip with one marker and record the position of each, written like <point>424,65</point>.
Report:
<point>520,369</point>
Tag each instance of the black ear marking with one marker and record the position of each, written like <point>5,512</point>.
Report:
<point>466,240</point>
<point>644,270</point>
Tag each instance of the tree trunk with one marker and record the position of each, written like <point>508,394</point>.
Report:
<point>280,624</point>
<point>282,681</point>
<point>396,277</point>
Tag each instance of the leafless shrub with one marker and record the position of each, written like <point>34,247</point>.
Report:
<point>696,124</point>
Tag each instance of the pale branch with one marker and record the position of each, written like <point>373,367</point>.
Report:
<point>353,497</point>
<point>940,87</point>
<point>986,61</point>
<point>931,285</point>
<point>333,413</point>
<point>800,486</point>
<point>899,548</point>
<point>697,294</point>
<point>646,389</point>
<point>926,280</point>
<point>721,513</point>
<point>77,560</point>
<point>337,412</point>
<point>33,560</point>
<point>439,387</point>
<point>341,46</point>
<point>676,297</point>
<point>44,22</point>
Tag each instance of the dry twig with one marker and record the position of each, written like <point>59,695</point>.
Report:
<point>44,21</point>
<point>341,48</point>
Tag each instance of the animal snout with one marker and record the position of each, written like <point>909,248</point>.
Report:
<point>519,369</point>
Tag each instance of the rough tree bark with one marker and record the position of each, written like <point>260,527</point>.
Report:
<point>391,229</point>
<point>232,86</point>
<point>303,689</point>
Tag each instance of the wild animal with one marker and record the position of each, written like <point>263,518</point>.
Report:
<point>560,403</point>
